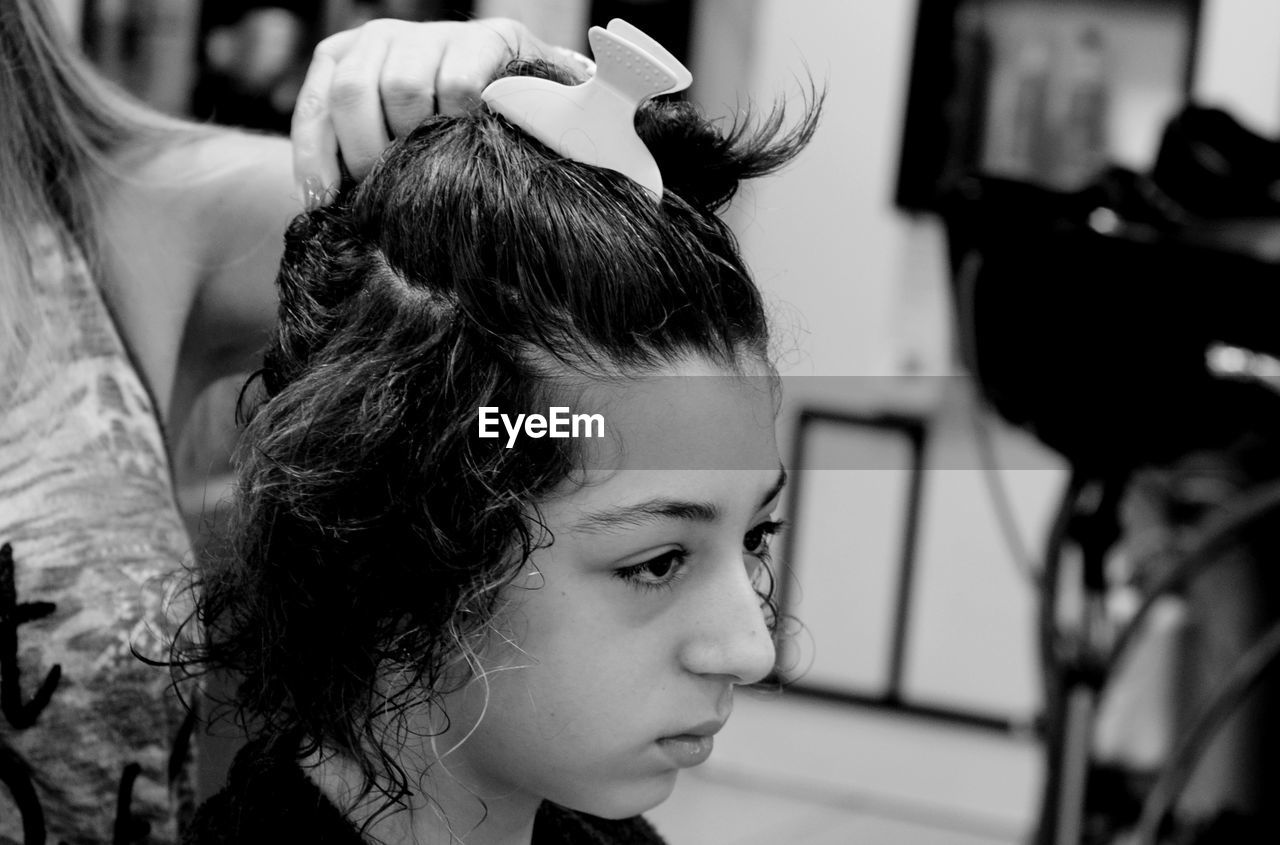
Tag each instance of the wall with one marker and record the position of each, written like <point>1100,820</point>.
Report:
<point>861,295</point>
<point>823,236</point>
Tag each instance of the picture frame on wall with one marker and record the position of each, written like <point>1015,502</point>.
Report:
<point>1048,92</point>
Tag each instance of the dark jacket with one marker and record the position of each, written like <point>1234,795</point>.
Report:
<point>268,800</point>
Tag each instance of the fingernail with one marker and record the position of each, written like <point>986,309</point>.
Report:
<point>313,193</point>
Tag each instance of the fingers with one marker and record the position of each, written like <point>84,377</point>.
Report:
<point>356,103</point>
<point>315,146</point>
<point>408,81</point>
<point>381,80</point>
<point>471,60</point>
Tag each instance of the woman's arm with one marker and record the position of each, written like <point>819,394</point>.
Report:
<point>198,235</point>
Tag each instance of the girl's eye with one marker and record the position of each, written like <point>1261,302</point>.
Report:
<point>655,573</point>
<point>756,541</point>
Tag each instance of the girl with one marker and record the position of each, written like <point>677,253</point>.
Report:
<point>445,636</point>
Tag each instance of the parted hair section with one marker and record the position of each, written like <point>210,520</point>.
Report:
<point>373,531</point>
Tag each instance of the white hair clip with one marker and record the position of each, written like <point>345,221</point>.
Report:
<point>594,122</point>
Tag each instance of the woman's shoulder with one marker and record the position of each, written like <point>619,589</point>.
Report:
<point>201,161</point>
<point>191,232</point>
<point>192,197</point>
<point>556,825</point>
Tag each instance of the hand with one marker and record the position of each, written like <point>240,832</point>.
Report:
<point>392,75</point>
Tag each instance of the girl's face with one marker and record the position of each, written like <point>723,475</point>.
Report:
<point>630,631</point>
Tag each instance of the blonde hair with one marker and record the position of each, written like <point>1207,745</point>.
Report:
<point>63,135</point>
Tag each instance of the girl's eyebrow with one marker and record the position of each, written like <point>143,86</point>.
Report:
<point>631,516</point>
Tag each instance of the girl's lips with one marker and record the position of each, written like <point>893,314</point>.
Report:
<point>710,727</point>
<point>687,750</point>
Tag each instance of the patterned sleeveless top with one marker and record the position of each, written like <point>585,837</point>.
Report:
<point>91,540</point>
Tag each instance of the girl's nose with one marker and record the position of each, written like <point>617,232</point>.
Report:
<point>728,635</point>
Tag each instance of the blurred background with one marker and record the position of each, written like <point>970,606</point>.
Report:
<point>1021,281</point>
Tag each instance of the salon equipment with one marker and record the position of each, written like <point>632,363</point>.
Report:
<point>1131,325</point>
<point>1091,328</point>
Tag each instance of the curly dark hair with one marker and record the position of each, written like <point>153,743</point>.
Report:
<point>372,530</point>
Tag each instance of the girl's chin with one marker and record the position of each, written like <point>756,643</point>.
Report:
<point>630,800</point>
